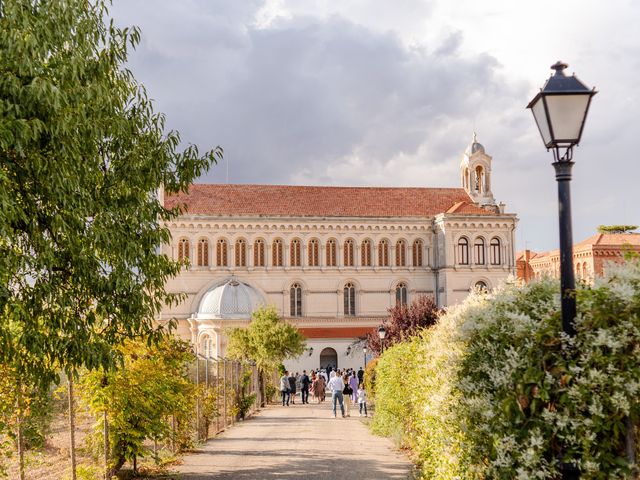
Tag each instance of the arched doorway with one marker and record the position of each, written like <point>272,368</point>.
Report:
<point>328,356</point>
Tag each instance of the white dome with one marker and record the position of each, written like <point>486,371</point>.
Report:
<point>232,299</point>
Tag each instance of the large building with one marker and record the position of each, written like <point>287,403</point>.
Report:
<point>590,257</point>
<point>333,260</point>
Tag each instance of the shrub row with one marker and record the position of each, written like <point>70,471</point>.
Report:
<point>495,390</point>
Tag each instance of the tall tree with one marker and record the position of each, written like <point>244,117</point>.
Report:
<point>82,157</point>
<point>267,341</point>
<point>405,321</point>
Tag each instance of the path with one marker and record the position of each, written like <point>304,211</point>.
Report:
<point>300,441</point>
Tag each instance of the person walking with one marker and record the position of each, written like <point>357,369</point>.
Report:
<point>314,380</point>
<point>284,388</point>
<point>320,389</point>
<point>292,388</point>
<point>304,387</point>
<point>353,383</point>
<point>360,376</point>
<point>336,385</point>
<point>347,392</point>
<point>362,399</point>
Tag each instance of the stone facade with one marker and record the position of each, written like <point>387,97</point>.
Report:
<point>333,260</point>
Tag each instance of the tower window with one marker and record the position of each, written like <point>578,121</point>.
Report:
<point>221,253</point>
<point>331,253</point>
<point>295,253</point>
<point>348,253</point>
<point>241,253</point>
<point>401,254</point>
<point>401,294</point>
<point>313,252</point>
<point>276,253</point>
<point>183,249</point>
<point>478,251</point>
<point>383,253</point>
<point>495,251</point>
<point>463,251</point>
<point>365,253</point>
<point>349,299</point>
<point>203,252</point>
<point>417,253</point>
<point>258,253</point>
<point>296,300</point>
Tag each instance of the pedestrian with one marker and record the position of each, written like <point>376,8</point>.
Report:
<point>353,383</point>
<point>314,381</point>
<point>362,399</point>
<point>292,388</point>
<point>321,386</point>
<point>284,388</point>
<point>347,392</point>
<point>304,387</point>
<point>336,385</point>
<point>360,375</point>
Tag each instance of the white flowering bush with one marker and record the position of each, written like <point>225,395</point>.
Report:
<point>495,390</point>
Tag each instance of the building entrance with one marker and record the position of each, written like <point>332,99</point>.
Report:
<point>328,356</point>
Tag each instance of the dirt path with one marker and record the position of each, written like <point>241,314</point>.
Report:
<point>300,441</point>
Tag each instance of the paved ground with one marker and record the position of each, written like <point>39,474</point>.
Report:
<point>300,441</point>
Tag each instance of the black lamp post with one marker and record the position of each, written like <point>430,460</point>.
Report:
<point>381,334</point>
<point>364,350</point>
<point>560,110</point>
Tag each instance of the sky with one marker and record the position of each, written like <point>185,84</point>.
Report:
<point>389,93</point>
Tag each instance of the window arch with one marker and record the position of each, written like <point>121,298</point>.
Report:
<point>221,253</point>
<point>314,252</point>
<point>417,253</point>
<point>401,294</point>
<point>479,186</point>
<point>241,252</point>
<point>183,249</point>
<point>383,253</point>
<point>365,253</point>
<point>401,254</point>
<point>203,252</point>
<point>276,253</point>
<point>463,251</point>
<point>495,251</point>
<point>295,295</point>
<point>350,299</point>
<point>348,253</point>
<point>481,286</point>
<point>258,253</point>
<point>296,253</point>
<point>331,253</point>
<point>478,251</point>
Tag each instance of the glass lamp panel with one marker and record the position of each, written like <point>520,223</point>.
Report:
<point>541,119</point>
<point>566,114</point>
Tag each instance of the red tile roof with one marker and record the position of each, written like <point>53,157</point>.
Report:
<point>468,208</point>
<point>611,239</point>
<point>306,201</point>
<point>336,332</point>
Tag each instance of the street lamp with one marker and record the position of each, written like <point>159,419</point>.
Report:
<point>364,350</point>
<point>381,334</point>
<point>560,110</point>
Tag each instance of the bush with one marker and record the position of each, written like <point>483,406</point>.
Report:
<point>495,390</point>
<point>370,379</point>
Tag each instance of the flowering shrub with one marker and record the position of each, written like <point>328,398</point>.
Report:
<point>497,391</point>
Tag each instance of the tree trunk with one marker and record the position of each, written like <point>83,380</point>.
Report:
<point>72,429</point>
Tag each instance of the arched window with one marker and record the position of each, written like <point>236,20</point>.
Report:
<point>241,253</point>
<point>401,294</point>
<point>314,253</point>
<point>258,253</point>
<point>401,254</point>
<point>296,300</point>
<point>348,253</point>
<point>276,253</point>
<point>349,299</point>
<point>478,251</point>
<point>295,252</point>
<point>482,286</point>
<point>221,253</point>
<point>417,253</point>
<point>203,252</point>
<point>183,249</point>
<point>466,179</point>
<point>495,251</point>
<point>383,253</point>
<point>365,253</point>
<point>463,251</point>
<point>331,253</point>
<point>479,186</point>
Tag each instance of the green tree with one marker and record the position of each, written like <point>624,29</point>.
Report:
<point>267,341</point>
<point>139,398</point>
<point>617,228</point>
<point>82,157</point>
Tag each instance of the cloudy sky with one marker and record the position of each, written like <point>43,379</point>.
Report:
<point>388,93</point>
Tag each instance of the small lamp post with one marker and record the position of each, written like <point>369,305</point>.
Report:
<point>381,334</point>
<point>364,350</point>
<point>310,351</point>
<point>560,110</point>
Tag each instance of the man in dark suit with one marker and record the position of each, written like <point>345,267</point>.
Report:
<point>304,384</point>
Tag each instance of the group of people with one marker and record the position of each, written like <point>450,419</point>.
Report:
<point>347,389</point>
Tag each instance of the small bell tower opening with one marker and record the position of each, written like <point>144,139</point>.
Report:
<point>475,172</point>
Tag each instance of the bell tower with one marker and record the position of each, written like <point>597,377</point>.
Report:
<point>475,174</point>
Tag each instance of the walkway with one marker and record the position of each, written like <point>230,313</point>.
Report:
<point>300,441</point>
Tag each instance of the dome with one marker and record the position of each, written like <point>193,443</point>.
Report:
<point>232,300</point>
<point>474,147</point>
